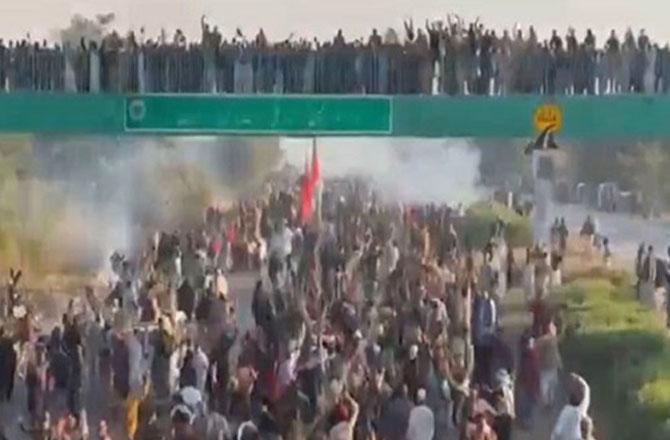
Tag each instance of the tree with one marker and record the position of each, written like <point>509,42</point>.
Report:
<point>503,163</point>
<point>647,167</point>
<point>587,165</point>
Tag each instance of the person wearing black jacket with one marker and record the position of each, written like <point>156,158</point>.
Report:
<point>7,366</point>
<point>187,373</point>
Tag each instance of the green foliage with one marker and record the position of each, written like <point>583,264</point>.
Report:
<point>623,351</point>
<point>656,395</point>
<point>480,217</point>
<point>647,167</point>
<point>586,162</point>
<point>29,209</point>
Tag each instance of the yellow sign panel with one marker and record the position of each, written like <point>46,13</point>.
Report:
<point>548,118</point>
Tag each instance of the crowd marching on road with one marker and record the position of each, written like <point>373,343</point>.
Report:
<point>444,57</point>
<point>370,321</point>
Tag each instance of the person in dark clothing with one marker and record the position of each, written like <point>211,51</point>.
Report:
<point>220,374</point>
<point>36,387</point>
<point>71,335</point>
<point>7,366</point>
<point>59,374</point>
<point>486,62</point>
<point>612,45</point>
<point>484,324</point>
<point>375,39</point>
<point>394,418</point>
<point>163,343</point>
<point>571,41</point>
<point>528,384</point>
<point>4,65</point>
<point>121,366</point>
<point>148,422</point>
<point>411,371</point>
<point>187,373</point>
<point>262,308</point>
<point>74,381</point>
<point>667,290</point>
<point>590,40</point>
<point>555,43</point>
<point>183,429</point>
<point>267,424</point>
<point>502,357</point>
<point>186,299</point>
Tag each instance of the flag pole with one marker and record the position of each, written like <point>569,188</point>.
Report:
<point>318,188</point>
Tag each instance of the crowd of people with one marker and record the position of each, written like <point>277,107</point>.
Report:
<point>444,57</point>
<point>369,321</point>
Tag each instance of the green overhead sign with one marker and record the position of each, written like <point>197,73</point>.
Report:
<point>619,117</point>
<point>258,115</point>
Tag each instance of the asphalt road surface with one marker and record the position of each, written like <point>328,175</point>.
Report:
<point>624,231</point>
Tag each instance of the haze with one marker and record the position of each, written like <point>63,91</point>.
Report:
<point>308,18</point>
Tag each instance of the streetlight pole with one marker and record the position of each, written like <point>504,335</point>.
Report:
<point>23,211</point>
<point>543,177</point>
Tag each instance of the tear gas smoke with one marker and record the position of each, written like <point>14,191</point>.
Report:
<point>403,169</point>
<point>91,196</point>
<point>111,194</point>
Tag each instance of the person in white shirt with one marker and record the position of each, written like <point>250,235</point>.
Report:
<point>550,364</point>
<point>281,248</point>
<point>438,318</point>
<point>247,430</point>
<point>421,424</point>
<point>287,372</point>
<point>390,258</point>
<point>282,241</point>
<point>176,359</point>
<point>568,426</point>
<point>201,365</point>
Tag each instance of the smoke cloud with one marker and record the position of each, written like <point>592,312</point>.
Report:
<point>403,169</point>
<point>111,202</point>
<point>87,197</point>
<point>98,195</point>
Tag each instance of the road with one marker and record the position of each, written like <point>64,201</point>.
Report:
<point>624,231</point>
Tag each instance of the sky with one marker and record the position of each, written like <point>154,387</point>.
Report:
<point>309,18</point>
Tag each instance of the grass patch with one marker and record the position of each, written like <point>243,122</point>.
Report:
<point>481,216</point>
<point>622,349</point>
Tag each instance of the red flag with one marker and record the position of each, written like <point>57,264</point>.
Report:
<point>316,167</point>
<point>306,195</point>
<point>231,233</point>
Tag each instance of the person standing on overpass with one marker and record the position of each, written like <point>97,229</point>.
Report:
<point>667,290</point>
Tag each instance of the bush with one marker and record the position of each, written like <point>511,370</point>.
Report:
<point>656,396</point>
<point>479,219</point>
<point>622,349</point>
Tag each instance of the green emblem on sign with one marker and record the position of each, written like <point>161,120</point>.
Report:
<point>137,110</point>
